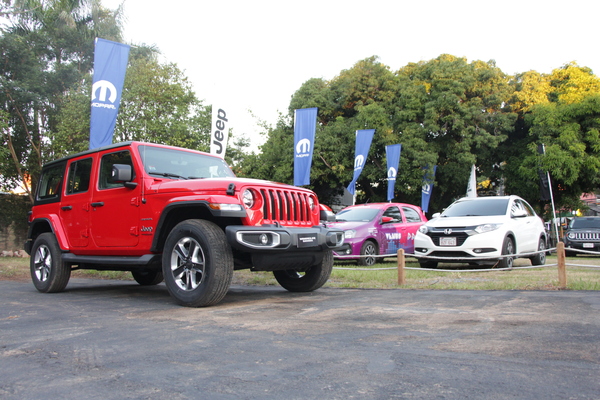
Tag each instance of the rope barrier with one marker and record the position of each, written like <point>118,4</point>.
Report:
<point>401,267</point>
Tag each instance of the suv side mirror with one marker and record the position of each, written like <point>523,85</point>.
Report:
<point>122,173</point>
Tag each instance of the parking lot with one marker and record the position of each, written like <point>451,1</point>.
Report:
<point>117,340</point>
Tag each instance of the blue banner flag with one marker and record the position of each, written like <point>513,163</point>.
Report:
<point>428,180</point>
<point>392,153</point>
<point>110,64</point>
<point>363,144</point>
<point>305,125</point>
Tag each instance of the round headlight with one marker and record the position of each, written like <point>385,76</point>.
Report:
<point>248,198</point>
<point>311,203</point>
<point>571,235</point>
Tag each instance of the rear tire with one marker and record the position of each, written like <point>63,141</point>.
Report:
<point>197,263</point>
<point>147,277</point>
<point>540,258</point>
<point>309,280</point>
<point>48,271</point>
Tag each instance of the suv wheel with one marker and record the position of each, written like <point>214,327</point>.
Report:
<point>197,263</point>
<point>508,247</point>
<point>309,280</point>
<point>540,258</point>
<point>48,271</point>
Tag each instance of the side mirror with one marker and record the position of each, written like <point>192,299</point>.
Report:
<point>386,220</point>
<point>122,173</point>
<point>436,215</point>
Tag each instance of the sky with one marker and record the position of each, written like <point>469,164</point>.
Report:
<point>251,56</point>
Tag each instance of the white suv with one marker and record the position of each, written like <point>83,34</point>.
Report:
<point>482,227</point>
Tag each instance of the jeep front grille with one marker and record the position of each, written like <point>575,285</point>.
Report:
<point>592,236</point>
<point>287,207</point>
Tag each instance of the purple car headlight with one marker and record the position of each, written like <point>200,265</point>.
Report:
<point>349,234</point>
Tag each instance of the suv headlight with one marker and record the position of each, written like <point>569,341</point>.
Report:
<point>571,235</point>
<point>423,229</point>
<point>487,228</point>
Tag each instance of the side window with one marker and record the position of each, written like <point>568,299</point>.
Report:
<point>394,213</point>
<point>51,182</point>
<point>411,214</point>
<point>78,180</point>
<point>527,209</point>
<point>106,164</point>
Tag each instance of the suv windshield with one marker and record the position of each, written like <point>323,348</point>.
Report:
<point>582,223</point>
<point>357,214</point>
<point>179,164</point>
<point>475,207</point>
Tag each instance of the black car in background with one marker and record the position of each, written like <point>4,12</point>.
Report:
<point>583,233</point>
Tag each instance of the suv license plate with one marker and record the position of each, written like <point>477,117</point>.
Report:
<point>448,241</point>
<point>588,245</point>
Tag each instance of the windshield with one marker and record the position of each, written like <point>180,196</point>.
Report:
<point>582,223</point>
<point>179,164</point>
<point>475,208</point>
<point>357,214</point>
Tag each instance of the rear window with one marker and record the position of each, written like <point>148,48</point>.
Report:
<point>50,183</point>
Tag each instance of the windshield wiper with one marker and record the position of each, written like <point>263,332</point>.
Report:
<point>168,175</point>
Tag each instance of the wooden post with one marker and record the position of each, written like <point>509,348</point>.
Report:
<point>401,262</point>
<point>562,269</point>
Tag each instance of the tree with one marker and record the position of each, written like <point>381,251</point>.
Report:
<point>47,48</point>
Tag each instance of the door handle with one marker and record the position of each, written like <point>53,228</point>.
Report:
<point>97,204</point>
<point>66,208</point>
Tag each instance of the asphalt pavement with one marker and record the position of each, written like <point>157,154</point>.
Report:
<point>117,340</point>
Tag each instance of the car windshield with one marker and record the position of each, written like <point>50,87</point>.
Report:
<point>582,223</point>
<point>179,164</point>
<point>474,208</point>
<point>357,214</point>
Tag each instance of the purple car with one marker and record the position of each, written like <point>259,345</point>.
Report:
<point>377,228</point>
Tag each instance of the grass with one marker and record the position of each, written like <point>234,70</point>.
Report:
<point>353,276</point>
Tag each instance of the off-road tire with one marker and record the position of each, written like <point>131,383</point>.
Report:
<point>48,271</point>
<point>197,263</point>
<point>309,280</point>
<point>148,277</point>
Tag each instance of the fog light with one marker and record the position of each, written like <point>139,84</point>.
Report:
<point>264,239</point>
<point>349,251</point>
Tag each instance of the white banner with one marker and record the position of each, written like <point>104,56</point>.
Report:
<point>472,186</point>
<point>219,132</point>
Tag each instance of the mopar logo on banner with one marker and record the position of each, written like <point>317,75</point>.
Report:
<point>392,174</point>
<point>303,148</point>
<point>393,161</point>
<point>305,125</point>
<point>427,188</point>
<point>359,162</point>
<point>110,64</point>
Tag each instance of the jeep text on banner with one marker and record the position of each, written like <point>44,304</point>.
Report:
<point>428,179</point>
<point>305,124</point>
<point>219,131</point>
<point>392,153</point>
<point>363,145</point>
<point>110,64</point>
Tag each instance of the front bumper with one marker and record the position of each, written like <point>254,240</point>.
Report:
<point>474,248</point>
<point>275,247</point>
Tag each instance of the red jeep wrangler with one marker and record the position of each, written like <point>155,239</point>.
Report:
<point>161,211</point>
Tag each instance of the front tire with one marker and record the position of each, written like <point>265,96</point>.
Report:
<point>48,271</point>
<point>369,248</point>
<point>309,280</point>
<point>508,247</point>
<point>540,258</point>
<point>197,263</point>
